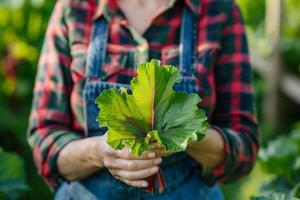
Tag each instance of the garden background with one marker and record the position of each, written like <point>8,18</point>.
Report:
<point>273,30</point>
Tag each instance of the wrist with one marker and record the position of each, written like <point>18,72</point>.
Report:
<point>199,145</point>
<point>97,146</point>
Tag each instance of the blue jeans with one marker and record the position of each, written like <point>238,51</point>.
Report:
<point>103,186</point>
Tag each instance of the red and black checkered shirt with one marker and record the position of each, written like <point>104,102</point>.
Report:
<point>221,67</point>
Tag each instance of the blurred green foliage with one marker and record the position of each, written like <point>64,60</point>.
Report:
<point>254,17</point>
<point>253,12</point>
<point>291,34</point>
<point>278,169</point>
<point>281,158</point>
<point>274,196</point>
<point>22,27</point>
<point>12,177</point>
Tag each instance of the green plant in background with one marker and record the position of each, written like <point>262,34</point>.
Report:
<point>248,8</point>
<point>12,177</point>
<point>22,28</point>
<point>274,196</point>
<point>281,158</point>
<point>254,15</point>
<point>291,34</point>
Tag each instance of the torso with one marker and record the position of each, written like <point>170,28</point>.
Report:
<point>160,41</point>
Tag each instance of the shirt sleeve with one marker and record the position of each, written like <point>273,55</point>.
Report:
<point>234,117</point>
<point>50,123</point>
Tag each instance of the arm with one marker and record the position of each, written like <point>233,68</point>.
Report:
<point>210,151</point>
<point>79,159</point>
<point>50,123</point>
<point>230,148</point>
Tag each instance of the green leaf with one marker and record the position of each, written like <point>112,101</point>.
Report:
<point>279,156</point>
<point>153,111</point>
<point>276,184</point>
<point>275,196</point>
<point>12,178</point>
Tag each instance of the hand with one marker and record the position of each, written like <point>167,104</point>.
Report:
<point>159,150</point>
<point>127,168</point>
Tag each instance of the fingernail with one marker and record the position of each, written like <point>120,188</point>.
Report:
<point>154,170</point>
<point>151,155</point>
<point>158,161</point>
<point>145,184</point>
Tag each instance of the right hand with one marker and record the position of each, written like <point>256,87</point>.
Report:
<point>125,167</point>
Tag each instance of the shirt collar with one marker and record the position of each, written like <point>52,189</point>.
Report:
<point>109,7</point>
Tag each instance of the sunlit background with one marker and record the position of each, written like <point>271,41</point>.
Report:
<point>273,29</point>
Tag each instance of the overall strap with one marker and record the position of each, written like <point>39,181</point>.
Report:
<point>97,49</point>
<point>187,38</point>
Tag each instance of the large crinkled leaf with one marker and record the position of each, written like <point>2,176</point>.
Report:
<point>152,111</point>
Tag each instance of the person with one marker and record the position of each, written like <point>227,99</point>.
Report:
<point>92,45</point>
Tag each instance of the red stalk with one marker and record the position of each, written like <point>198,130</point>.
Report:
<point>152,110</point>
<point>160,178</point>
<point>161,181</point>
<point>150,187</point>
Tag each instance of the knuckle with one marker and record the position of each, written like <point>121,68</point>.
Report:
<point>106,151</point>
<point>114,173</point>
<point>109,151</point>
<point>107,163</point>
<point>124,153</point>
<point>131,165</point>
<point>126,175</point>
<point>150,171</point>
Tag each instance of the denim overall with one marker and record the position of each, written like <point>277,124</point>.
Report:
<point>182,174</point>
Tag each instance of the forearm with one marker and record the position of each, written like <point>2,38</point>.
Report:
<point>210,151</point>
<point>79,159</point>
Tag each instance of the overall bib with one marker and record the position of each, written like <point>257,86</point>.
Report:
<point>182,174</point>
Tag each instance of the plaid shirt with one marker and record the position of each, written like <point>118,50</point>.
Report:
<point>221,67</point>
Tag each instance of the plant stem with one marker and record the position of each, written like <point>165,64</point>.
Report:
<point>160,182</point>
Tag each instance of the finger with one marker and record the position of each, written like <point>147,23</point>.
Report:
<point>113,172</point>
<point>135,183</point>
<point>148,155</point>
<point>131,165</point>
<point>163,154</point>
<point>136,175</point>
<point>156,146</point>
<point>125,154</point>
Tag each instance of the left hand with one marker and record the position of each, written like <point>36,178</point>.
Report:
<point>159,150</point>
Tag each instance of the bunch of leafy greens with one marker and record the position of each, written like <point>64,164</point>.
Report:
<point>151,112</point>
